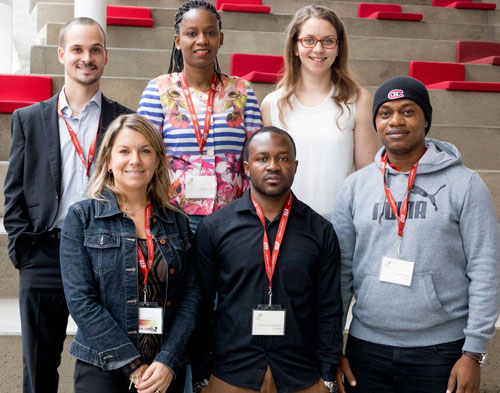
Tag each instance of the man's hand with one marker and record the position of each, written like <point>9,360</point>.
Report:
<point>322,386</point>
<point>156,377</point>
<point>465,376</point>
<point>344,372</point>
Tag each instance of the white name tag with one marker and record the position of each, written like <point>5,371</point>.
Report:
<point>200,187</point>
<point>396,271</point>
<point>150,320</point>
<point>268,322</point>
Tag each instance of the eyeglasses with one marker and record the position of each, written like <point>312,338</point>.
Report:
<point>310,42</point>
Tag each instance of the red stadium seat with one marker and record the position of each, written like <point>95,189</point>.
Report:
<point>18,91</point>
<point>253,6</point>
<point>257,68</point>
<point>464,4</point>
<point>478,52</point>
<point>386,12</point>
<point>447,76</point>
<point>128,16</point>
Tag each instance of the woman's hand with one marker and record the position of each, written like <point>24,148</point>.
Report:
<point>157,378</point>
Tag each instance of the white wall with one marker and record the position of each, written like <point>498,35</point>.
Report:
<point>6,31</point>
<point>23,36</point>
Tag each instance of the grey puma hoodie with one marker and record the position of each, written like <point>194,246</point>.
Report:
<point>452,234</point>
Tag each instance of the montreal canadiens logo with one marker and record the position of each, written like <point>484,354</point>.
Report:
<point>396,93</point>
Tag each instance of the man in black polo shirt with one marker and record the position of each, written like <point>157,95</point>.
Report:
<point>277,323</point>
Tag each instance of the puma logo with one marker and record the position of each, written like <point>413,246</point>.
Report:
<point>425,194</point>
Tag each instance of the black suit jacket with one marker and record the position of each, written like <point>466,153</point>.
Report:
<point>32,187</point>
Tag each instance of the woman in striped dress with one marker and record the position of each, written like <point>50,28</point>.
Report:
<point>203,115</point>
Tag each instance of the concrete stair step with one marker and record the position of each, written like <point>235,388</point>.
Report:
<point>349,9</point>
<point>449,105</point>
<point>3,171</point>
<point>479,145</point>
<point>11,356</point>
<point>9,286</point>
<point>149,63</point>
<point>11,372</point>
<point>11,323</point>
<point>131,3</point>
<point>490,176</point>
<point>44,13</point>
<point>4,136</point>
<point>11,359</point>
<point>344,8</point>
<point>274,4</point>
<point>401,49</point>
<point>492,180</point>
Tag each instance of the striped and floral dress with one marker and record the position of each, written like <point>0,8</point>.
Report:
<point>236,114</point>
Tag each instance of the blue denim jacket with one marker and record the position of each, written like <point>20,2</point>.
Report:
<point>100,277</point>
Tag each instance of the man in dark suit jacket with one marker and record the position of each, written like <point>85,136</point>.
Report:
<point>53,146</point>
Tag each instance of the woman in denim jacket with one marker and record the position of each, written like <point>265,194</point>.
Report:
<point>127,268</point>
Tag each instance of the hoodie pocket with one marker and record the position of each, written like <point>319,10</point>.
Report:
<point>382,305</point>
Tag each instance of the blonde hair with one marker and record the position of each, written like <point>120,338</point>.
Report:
<point>158,187</point>
<point>346,88</point>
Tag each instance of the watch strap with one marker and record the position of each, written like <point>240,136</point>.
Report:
<point>478,357</point>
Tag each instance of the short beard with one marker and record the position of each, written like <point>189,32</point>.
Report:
<point>403,150</point>
<point>88,82</point>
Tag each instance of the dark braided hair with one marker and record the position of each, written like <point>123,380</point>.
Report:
<point>176,59</point>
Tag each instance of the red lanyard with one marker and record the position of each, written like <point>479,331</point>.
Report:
<point>76,142</point>
<point>151,248</point>
<point>401,218</point>
<point>202,139</point>
<point>270,262</point>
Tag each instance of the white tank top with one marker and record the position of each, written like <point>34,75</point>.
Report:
<point>325,152</point>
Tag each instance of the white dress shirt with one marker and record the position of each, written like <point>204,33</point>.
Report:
<point>74,180</point>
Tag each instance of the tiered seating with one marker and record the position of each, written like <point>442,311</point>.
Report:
<point>128,16</point>
<point>257,68</point>
<point>18,91</point>
<point>464,4</point>
<point>478,52</point>
<point>386,11</point>
<point>379,49</point>
<point>447,76</point>
<point>254,6</point>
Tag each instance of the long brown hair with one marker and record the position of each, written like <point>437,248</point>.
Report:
<point>346,88</point>
<point>158,187</point>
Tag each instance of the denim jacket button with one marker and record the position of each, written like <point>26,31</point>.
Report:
<point>169,303</point>
<point>163,241</point>
<point>172,270</point>
<point>154,219</point>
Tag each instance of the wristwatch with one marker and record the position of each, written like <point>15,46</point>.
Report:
<point>198,386</point>
<point>478,357</point>
<point>331,386</point>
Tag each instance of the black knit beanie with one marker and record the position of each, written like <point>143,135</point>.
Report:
<point>401,87</point>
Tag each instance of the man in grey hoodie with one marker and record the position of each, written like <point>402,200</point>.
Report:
<point>420,247</point>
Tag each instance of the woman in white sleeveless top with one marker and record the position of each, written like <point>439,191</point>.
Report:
<point>318,102</point>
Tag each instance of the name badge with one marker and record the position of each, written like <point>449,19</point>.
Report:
<point>396,271</point>
<point>268,321</point>
<point>150,320</point>
<point>200,187</point>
